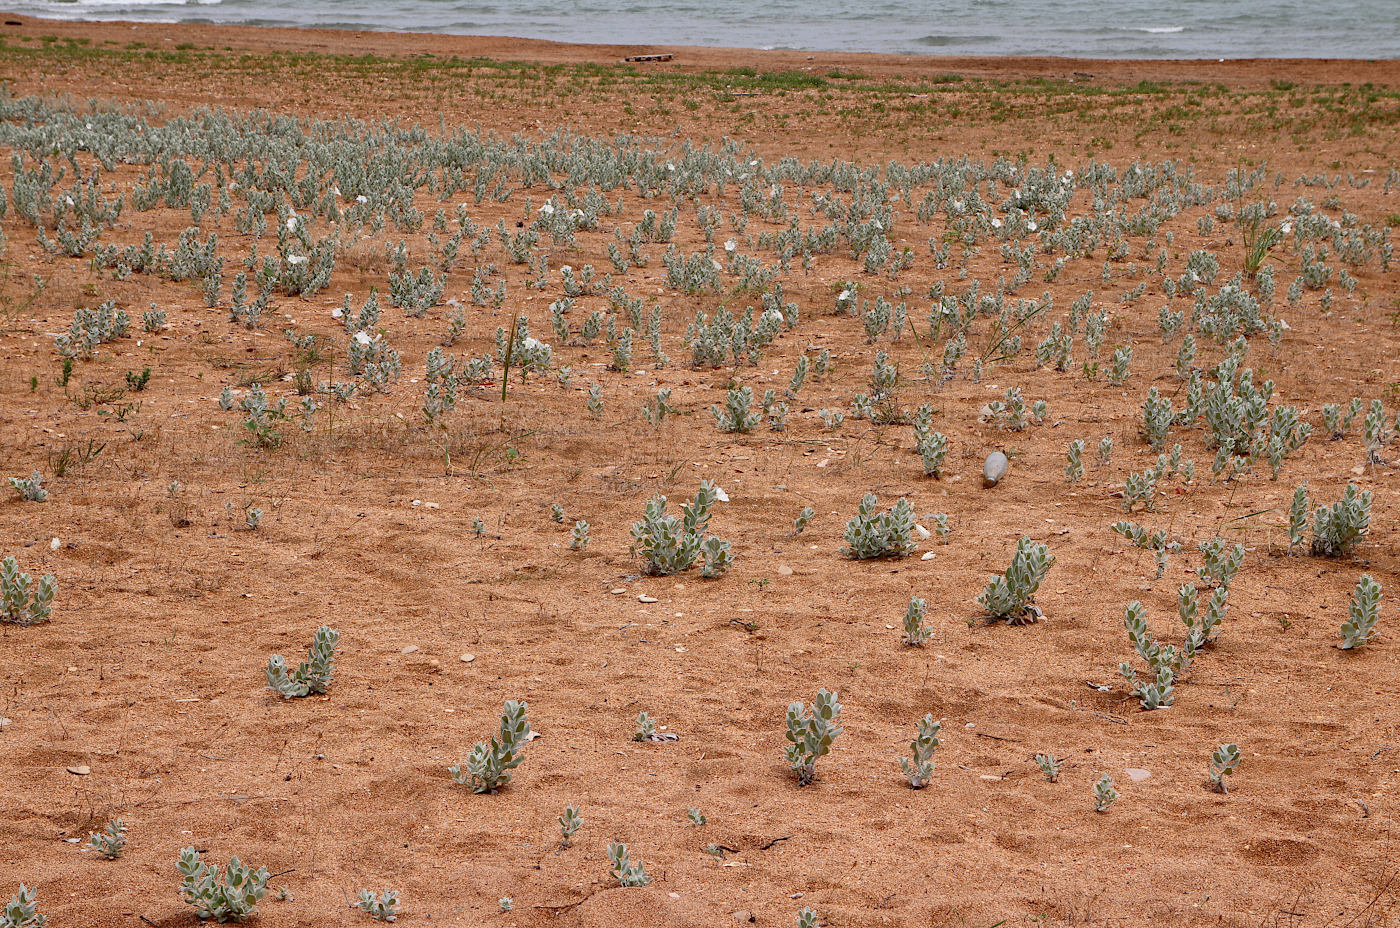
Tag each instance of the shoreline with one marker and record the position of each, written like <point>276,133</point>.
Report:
<point>1237,72</point>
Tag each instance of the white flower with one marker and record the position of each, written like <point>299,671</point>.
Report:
<point>720,495</point>
<point>730,245</point>
<point>296,259</point>
<point>996,223</point>
<point>670,166</point>
<point>1287,227</point>
<point>292,222</point>
<point>362,338</point>
<point>337,313</point>
<point>532,343</point>
<point>566,269</point>
<point>1031,226</point>
<point>845,295</point>
<point>547,209</point>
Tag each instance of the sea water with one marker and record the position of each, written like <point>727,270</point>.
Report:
<point>1078,28</point>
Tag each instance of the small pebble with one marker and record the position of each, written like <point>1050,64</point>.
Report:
<point>410,649</point>
<point>468,658</point>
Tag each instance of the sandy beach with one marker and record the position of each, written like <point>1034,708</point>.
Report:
<point>1017,200</point>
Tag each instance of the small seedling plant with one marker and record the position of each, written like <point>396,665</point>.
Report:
<point>623,870</point>
<point>578,538</point>
<point>916,633</point>
<point>646,731</point>
<point>382,907</point>
<point>20,606</point>
<point>1049,766</point>
<point>490,764</point>
<point>696,818</point>
<point>919,767</point>
<point>1104,793</point>
<point>110,841</point>
<point>810,733</point>
<point>874,534</point>
<point>1362,613</point>
<point>1009,597</point>
<point>1223,761</point>
<point>313,675</point>
<point>569,824</point>
<point>30,489</point>
<point>22,911</point>
<point>230,895</point>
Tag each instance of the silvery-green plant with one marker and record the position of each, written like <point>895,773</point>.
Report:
<point>807,918</point>
<point>919,767</point>
<point>933,450</point>
<point>1074,461</point>
<point>252,517</point>
<point>556,512</point>
<point>915,632</point>
<point>569,824</point>
<point>1122,360</point>
<point>30,488</point>
<point>717,557</point>
<point>313,675</point>
<point>1222,561</point>
<point>1362,612</point>
<point>22,911</point>
<point>1105,449</point>
<point>940,526</point>
<point>1010,596</point>
<point>697,818</point>
<point>1223,761</point>
<point>506,904</point>
<point>1166,662</point>
<point>804,518</point>
<point>230,895</point>
<point>1049,765</point>
<point>490,764</point>
<point>669,545</point>
<point>873,535</point>
<point>1157,419</point>
<point>110,841</point>
<point>810,733</point>
<point>226,400</point>
<point>832,420</point>
<point>1140,488</point>
<point>595,400</point>
<point>735,415</point>
<point>578,538</point>
<point>153,320</point>
<point>382,907</point>
<point>623,870</point>
<point>20,606</point>
<point>1104,794</point>
<point>1338,527</point>
<point>478,526</point>
<point>799,377</point>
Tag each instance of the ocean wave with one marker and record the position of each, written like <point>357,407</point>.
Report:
<point>942,41</point>
<point>1157,30</point>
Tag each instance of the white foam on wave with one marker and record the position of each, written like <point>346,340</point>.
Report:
<point>1159,30</point>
